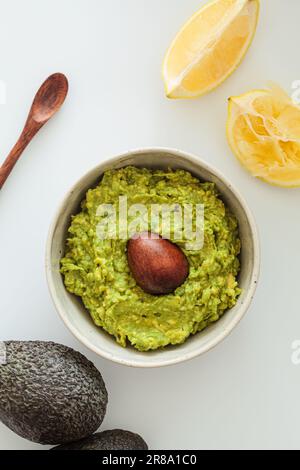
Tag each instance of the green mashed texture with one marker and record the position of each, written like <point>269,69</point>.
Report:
<point>97,270</point>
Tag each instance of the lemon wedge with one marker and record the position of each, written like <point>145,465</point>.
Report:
<point>209,47</point>
<point>263,130</point>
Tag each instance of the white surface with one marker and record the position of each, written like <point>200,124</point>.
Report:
<point>245,393</point>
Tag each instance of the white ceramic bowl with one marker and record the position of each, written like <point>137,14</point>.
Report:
<point>78,320</point>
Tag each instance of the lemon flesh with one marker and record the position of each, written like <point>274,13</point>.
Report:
<point>263,130</point>
<point>209,47</point>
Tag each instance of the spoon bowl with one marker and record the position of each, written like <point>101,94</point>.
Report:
<point>49,98</point>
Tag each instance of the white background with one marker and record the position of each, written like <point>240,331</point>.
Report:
<point>245,393</point>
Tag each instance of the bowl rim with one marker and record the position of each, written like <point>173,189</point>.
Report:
<point>243,307</point>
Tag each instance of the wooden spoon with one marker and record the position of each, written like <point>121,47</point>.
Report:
<point>47,102</point>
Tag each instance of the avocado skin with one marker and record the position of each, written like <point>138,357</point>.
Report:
<point>108,440</point>
<point>50,394</point>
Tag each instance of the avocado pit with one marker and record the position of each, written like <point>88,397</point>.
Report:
<point>158,266</point>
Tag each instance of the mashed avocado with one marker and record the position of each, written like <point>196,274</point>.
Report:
<point>97,270</point>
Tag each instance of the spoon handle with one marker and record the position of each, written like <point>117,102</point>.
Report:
<point>30,130</point>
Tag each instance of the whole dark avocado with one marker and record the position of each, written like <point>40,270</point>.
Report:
<point>50,394</point>
<point>108,440</point>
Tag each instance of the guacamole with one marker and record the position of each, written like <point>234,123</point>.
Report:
<point>96,269</point>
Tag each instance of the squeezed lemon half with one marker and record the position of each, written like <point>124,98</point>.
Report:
<point>263,130</point>
<point>209,47</point>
